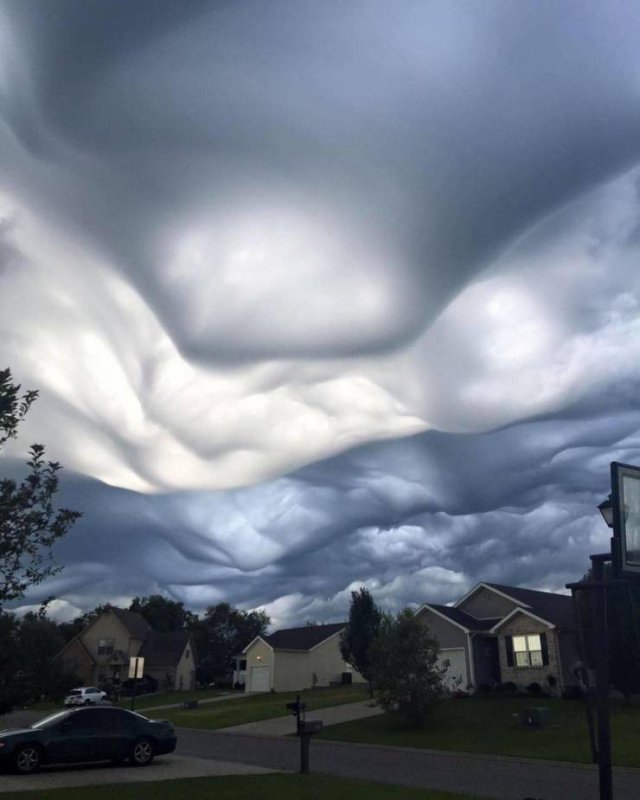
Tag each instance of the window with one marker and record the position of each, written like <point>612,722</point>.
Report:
<point>105,646</point>
<point>527,650</point>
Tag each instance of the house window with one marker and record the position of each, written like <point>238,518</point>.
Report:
<point>527,650</point>
<point>105,646</point>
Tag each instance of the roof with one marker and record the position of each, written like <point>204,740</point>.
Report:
<point>462,618</point>
<point>164,649</point>
<point>305,638</point>
<point>555,608</point>
<point>134,622</point>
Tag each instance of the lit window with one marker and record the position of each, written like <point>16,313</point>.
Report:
<point>527,650</point>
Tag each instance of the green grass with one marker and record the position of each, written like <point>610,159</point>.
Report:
<point>237,711</point>
<point>492,726</point>
<point>168,698</point>
<point>264,787</point>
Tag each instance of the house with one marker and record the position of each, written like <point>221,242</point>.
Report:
<point>100,653</point>
<point>293,659</point>
<point>499,634</point>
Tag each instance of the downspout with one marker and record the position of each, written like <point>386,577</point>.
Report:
<point>472,667</point>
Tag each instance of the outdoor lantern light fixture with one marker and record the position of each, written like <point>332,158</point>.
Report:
<point>606,509</point>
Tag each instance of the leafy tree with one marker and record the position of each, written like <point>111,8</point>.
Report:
<point>9,662</point>
<point>162,614</point>
<point>27,647</point>
<point>223,633</point>
<point>362,629</point>
<point>407,675</point>
<point>29,523</point>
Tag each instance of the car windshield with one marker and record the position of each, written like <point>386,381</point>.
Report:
<point>51,719</point>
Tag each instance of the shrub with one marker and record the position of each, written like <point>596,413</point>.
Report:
<point>484,688</point>
<point>534,688</point>
<point>508,687</point>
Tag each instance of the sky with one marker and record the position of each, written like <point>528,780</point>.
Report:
<point>321,295</point>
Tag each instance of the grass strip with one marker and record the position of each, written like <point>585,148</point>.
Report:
<point>265,787</point>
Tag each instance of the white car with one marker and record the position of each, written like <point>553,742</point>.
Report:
<point>85,696</point>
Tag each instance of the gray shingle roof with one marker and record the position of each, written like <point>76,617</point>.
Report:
<point>134,622</point>
<point>302,638</point>
<point>554,608</point>
<point>462,618</point>
<point>164,649</point>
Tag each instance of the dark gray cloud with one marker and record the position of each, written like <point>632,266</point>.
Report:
<point>261,243</point>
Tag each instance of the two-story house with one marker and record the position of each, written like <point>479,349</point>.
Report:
<point>100,653</point>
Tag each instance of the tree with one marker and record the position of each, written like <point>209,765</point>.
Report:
<point>162,614</point>
<point>362,629</point>
<point>223,633</point>
<point>407,675</point>
<point>29,523</point>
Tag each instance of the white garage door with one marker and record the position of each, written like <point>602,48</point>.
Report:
<point>456,675</point>
<point>259,679</point>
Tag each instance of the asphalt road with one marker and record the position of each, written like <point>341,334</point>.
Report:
<point>503,778</point>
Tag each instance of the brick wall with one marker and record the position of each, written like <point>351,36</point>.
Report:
<point>521,625</point>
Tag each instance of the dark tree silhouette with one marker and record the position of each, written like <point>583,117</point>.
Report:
<point>29,523</point>
<point>362,629</point>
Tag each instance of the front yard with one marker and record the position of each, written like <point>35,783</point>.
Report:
<point>264,787</point>
<point>252,708</point>
<point>492,726</point>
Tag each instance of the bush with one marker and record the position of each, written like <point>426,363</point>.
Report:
<point>484,688</point>
<point>508,687</point>
<point>534,688</point>
<point>407,673</point>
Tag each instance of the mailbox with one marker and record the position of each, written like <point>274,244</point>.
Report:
<point>296,707</point>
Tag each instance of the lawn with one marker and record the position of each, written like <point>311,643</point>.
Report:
<point>239,710</point>
<point>265,787</point>
<point>492,726</point>
<point>170,698</point>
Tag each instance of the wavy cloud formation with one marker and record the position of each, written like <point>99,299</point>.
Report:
<point>322,295</point>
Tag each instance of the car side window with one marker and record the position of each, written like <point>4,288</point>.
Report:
<point>117,720</point>
<point>82,721</point>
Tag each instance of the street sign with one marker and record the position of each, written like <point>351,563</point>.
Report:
<point>625,496</point>
<point>136,667</point>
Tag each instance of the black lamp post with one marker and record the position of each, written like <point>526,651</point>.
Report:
<point>621,512</point>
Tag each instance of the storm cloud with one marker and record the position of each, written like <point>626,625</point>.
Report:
<point>320,295</point>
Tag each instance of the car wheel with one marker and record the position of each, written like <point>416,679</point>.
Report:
<point>142,752</point>
<point>27,759</point>
<point>87,702</point>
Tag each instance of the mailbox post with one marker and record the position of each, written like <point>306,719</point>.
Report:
<point>305,728</point>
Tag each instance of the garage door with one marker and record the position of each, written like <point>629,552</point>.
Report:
<point>456,675</point>
<point>259,679</point>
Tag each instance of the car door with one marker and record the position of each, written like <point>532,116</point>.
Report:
<point>120,731</point>
<point>76,738</point>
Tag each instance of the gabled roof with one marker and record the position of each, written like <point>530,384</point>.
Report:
<point>551,607</point>
<point>135,623</point>
<point>517,611</point>
<point>164,649</point>
<point>305,638</point>
<point>461,618</point>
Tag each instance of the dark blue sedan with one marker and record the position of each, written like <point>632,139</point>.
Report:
<point>86,734</point>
